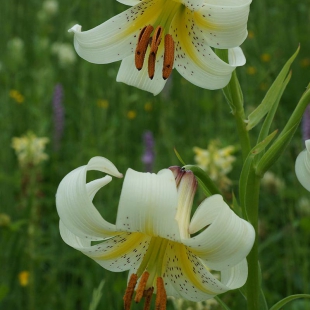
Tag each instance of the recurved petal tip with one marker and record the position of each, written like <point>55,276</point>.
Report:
<point>75,28</point>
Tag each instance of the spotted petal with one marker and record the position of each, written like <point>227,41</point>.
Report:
<point>130,2</point>
<point>116,38</point>
<point>189,276</point>
<point>193,5</point>
<point>226,241</point>
<point>74,200</point>
<point>223,22</point>
<point>119,253</point>
<point>148,204</point>
<point>129,74</point>
<point>194,59</point>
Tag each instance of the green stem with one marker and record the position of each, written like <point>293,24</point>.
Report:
<point>253,282</point>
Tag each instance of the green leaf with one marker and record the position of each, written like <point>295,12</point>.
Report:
<point>274,152</point>
<point>97,294</point>
<point>268,121</point>
<point>224,306</point>
<point>179,157</point>
<point>3,291</point>
<point>204,180</point>
<point>286,300</point>
<point>272,95</point>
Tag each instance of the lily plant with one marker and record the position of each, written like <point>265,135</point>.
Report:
<point>166,252</point>
<point>154,36</point>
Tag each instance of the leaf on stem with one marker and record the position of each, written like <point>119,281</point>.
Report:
<point>286,300</point>
<point>272,96</point>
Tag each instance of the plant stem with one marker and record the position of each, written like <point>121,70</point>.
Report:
<point>253,282</point>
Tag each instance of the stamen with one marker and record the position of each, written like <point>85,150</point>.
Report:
<point>141,286</point>
<point>168,56</point>
<point>156,39</point>
<point>129,291</point>
<point>143,42</point>
<point>161,296</point>
<point>148,298</point>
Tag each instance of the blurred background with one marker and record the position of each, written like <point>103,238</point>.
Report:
<point>58,111</point>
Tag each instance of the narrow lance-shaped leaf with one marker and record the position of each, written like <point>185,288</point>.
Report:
<point>179,156</point>
<point>278,147</point>
<point>286,300</point>
<point>271,96</point>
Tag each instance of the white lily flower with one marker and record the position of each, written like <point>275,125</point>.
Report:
<point>302,167</point>
<point>169,33</point>
<point>151,237</point>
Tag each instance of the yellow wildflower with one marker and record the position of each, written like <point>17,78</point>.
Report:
<point>17,96</point>
<point>216,162</point>
<point>30,149</point>
<point>148,107</point>
<point>251,34</point>
<point>305,62</point>
<point>131,114</point>
<point>23,278</point>
<point>103,103</point>
<point>251,70</point>
<point>265,57</point>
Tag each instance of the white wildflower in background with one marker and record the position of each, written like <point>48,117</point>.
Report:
<point>303,206</point>
<point>48,10</point>
<point>50,7</point>
<point>16,49</point>
<point>30,149</point>
<point>65,53</point>
<point>217,162</point>
<point>272,183</point>
<point>182,304</point>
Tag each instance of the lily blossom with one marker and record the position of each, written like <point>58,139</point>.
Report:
<point>155,36</point>
<point>152,235</point>
<point>302,166</point>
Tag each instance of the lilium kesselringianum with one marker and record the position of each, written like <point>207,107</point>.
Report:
<point>151,237</point>
<point>302,166</point>
<point>153,36</point>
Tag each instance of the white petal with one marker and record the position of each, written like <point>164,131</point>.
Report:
<point>226,241</point>
<point>188,276</point>
<point>194,59</point>
<point>224,22</point>
<point>302,167</point>
<point>74,201</point>
<point>116,38</point>
<point>236,57</point>
<point>119,253</point>
<point>193,5</point>
<point>148,204</point>
<point>236,276</point>
<point>130,2</point>
<point>130,75</point>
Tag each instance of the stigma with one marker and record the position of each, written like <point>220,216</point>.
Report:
<point>149,37</point>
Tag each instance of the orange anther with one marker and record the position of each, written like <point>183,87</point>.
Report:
<point>143,42</point>
<point>168,56</point>
<point>161,295</point>
<point>156,39</point>
<point>129,291</point>
<point>141,286</point>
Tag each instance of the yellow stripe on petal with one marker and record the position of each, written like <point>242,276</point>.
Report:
<point>119,246</point>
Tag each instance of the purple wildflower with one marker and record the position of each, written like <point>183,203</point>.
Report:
<point>58,115</point>
<point>148,155</point>
<point>306,124</point>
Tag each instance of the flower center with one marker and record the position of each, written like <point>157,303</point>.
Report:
<point>149,37</point>
<point>150,275</point>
